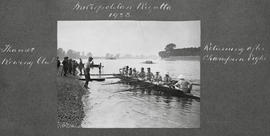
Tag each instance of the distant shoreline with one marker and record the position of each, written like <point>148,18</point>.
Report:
<point>186,58</point>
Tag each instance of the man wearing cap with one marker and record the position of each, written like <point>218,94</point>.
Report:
<point>87,71</point>
<point>80,66</point>
<point>134,73</point>
<point>126,70</point>
<point>167,79</point>
<point>130,72</point>
<point>65,66</point>
<point>142,73</point>
<point>157,77</point>
<point>149,75</point>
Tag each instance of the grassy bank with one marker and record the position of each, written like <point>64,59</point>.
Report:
<point>70,107</point>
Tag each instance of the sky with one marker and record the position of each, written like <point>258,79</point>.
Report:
<point>126,37</point>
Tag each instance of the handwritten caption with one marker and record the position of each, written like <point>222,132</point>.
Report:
<point>122,10</point>
<point>25,57</point>
<point>253,55</point>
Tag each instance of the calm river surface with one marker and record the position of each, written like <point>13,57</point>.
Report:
<point>111,106</point>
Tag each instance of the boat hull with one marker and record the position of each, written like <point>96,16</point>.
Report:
<point>162,88</point>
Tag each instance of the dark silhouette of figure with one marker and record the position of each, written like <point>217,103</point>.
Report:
<point>80,66</point>
<point>74,66</point>
<point>87,71</point>
<point>58,62</point>
<point>65,66</point>
<point>70,66</point>
<point>58,65</point>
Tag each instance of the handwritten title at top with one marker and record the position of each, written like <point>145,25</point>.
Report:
<point>122,10</point>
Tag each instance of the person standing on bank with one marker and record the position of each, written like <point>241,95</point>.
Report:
<point>80,66</point>
<point>58,65</point>
<point>87,71</point>
<point>70,66</point>
<point>65,66</point>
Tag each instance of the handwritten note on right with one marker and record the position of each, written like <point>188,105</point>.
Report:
<point>253,55</point>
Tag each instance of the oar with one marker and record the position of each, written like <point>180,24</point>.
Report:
<point>113,83</point>
<point>110,77</point>
<point>196,84</point>
<point>129,89</point>
<point>93,79</point>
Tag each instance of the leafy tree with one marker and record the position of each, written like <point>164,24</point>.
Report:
<point>61,53</point>
<point>170,47</point>
<point>89,54</point>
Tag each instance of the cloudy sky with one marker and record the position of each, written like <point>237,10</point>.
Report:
<point>126,37</point>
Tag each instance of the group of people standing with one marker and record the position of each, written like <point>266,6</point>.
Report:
<point>69,66</point>
<point>181,84</point>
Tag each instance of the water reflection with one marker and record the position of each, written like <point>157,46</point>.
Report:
<point>126,106</point>
<point>114,104</point>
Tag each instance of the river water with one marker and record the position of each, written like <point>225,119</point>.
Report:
<point>110,104</point>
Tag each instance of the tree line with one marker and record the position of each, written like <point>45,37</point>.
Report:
<point>72,54</point>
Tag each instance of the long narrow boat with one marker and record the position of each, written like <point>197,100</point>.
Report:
<point>157,87</point>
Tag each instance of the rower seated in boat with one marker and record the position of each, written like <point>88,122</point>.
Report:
<point>167,80</point>
<point>142,74</point>
<point>157,78</point>
<point>122,71</point>
<point>134,73</point>
<point>130,72</point>
<point>183,84</point>
<point>149,75</point>
<point>126,70</point>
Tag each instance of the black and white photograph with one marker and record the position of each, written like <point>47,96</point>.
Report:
<point>134,68</point>
<point>128,74</point>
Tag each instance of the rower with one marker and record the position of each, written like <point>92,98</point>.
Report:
<point>130,72</point>
<point>183,84</point>
<point>149,75</point>
<point>142,73</point>
<point>157,77</point>
<point>122,71</point>
<point>126,71</point>
<point>167,79</point>
<point>134,73</point>
<point>99,69</point>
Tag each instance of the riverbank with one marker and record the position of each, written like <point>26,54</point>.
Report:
<point>70,111</point>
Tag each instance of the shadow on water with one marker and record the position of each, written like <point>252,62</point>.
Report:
<point>160,96</point>
<point>130,105</point>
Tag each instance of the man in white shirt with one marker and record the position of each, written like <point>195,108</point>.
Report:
<point>87,71</point>
<point>183,84</point>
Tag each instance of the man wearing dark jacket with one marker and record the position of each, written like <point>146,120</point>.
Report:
<point>65,65</point>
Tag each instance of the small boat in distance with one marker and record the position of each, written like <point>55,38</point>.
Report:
<point>148,62</point>
<point>110,58</point>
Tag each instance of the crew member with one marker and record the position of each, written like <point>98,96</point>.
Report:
<point>183,84</point>
<point>157,77</point>
<point>87,71</point>
<point>134,73</point>
<point>74,66</point>
<point>149,75</point>
<point>130,72</point>
<point>80,66</point>
<point>167,79</point>
<point>65,66</point>
<point>126,70</point>
<point>70,66</point>
<point>58,65</point>
<point>142,74</point>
